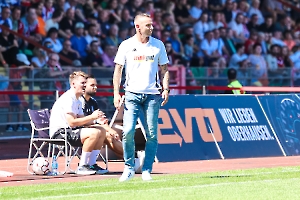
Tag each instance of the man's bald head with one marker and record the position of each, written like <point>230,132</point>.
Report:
<point>139,17</point>
<point>143,25</point>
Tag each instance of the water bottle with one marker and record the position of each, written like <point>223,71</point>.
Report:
<point>54,166</point>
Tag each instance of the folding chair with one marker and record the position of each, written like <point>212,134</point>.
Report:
<point>117,119</point>
<point>39,120</point>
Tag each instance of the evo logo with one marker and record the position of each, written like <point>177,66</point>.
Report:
<point>206,122</point>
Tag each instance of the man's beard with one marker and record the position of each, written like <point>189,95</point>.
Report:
<point>91,93</point>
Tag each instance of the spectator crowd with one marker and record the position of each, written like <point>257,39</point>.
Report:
<point>245,34</point>
<point>258,38</point>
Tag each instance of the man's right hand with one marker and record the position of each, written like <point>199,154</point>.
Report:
<point>97,114</point>
<point>117,101</point>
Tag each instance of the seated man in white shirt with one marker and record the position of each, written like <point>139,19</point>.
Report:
<point>237,27</point>
<point>255,10</point>
<point>238,57</point>
<point>277,38</point>
<point>196,10</point>
<point>215,23</point>
<point>209,48</point>
<point>67,113</point>
<point>93,35</point>
<point>201,26</point>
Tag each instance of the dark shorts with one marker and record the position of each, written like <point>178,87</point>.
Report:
<point>73,136</point>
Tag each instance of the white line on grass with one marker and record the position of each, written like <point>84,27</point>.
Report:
<point>165,188</point>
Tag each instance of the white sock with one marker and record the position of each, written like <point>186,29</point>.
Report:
<point>93,157</point>
<point>84,158</point>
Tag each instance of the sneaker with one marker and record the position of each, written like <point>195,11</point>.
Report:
<point>9,128</point>
<point>127,174</point>
<point>85,170</point>
<point>139,162</point>
<point>146,176</point>
<point>98,169</point>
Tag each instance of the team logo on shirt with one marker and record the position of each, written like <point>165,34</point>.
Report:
<point>143,58</point>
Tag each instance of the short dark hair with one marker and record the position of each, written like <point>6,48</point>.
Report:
<point>274,45</point>
<point>287,32</point>
<point>253,15</point>
<point>165,15</point>
<point>93,42</point>
<point>92,25</point>
<point>256,45</point>
<point>57,13</point>
<point>188,37</point>
<point>52,30</point>
<point>239,46</point>
<point>16,8</point>
<point>91,76</point>
<point>231,74</point>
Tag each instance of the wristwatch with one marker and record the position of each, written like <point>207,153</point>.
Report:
<point>167,90</point>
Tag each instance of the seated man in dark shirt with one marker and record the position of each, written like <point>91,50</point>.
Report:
<point>67,24</point>
<point>9,46</point>
<point>112,140</point>
<point>89,105</point>
<point>94,59</point>
<point>68,52</point>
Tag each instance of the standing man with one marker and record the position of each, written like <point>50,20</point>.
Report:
<point>67,113</point>
<point>142,55</point>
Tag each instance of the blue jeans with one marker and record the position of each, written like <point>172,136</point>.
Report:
<point>149,104</point>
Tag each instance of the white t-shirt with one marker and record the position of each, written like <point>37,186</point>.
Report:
<point>235,59</point>
<point>195,12</point>
<point>200,28</point>
<point>238,28</point>
<point>278,42</point>
<point>141,63</point>
<point>213,26</point>
<point>57,46</point>
<point>51,24</point>
<point>209,47</point>
<point>38,62</point>
<point>252,11</point>
<point>220,45</point>
<point>90,39</point>
<point>67,103</point>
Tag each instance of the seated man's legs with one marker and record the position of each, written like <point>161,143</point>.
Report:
<point>91,139</point>
<point>113,141</point>
<point>114,144</point>
<point>92,161</point>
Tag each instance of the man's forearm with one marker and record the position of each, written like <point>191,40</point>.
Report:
<point>165,76</point>
<point>117,78</point>
<point>81,121</point>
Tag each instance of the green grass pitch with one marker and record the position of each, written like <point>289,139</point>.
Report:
<point>264,183</point>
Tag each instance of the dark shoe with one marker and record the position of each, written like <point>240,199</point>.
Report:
<point>98,169</point>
